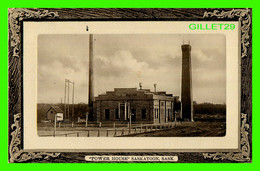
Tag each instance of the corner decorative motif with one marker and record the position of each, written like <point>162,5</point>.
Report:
<point>15,151</point>
<point>244,154</point>
<point>15,18</point>
<point>244,19</point>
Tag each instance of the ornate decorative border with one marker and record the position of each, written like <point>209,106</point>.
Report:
<point>244,154</point>
<point>245,20</point>
<point>15,151</point>
<point>17,16</point>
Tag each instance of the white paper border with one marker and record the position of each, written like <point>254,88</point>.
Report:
<point>31,139</point>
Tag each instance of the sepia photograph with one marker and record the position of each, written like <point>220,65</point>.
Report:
<point>131,85</point>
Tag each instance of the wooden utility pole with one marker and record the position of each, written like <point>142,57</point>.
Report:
<point>73,102</point>
<point>125,110</point>
<point>68,100</point>
<point>65,99</point>
<point>130,117</point>
<point>119,109</point>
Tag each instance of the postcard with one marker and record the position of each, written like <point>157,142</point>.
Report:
<point>114,85</point>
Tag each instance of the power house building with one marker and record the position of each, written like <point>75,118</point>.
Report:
<point>143,105</point>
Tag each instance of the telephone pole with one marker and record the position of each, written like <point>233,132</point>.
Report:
<point>67,99</point>
<point>73,101</point>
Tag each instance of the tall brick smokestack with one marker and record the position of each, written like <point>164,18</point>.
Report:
<point>186,84</point>
<point>91,76</point>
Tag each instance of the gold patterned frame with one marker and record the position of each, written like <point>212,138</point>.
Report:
<point>17,16</point>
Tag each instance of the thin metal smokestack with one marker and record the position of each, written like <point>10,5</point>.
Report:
<point>91,76</point>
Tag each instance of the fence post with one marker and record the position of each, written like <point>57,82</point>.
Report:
<point>107,133</point>
<point>122,131</point>
<point>55,121</point>
<point>98,133</point>
<point>100,124</point>
<point>115,133</point>
<point>175,118</point>
<point>86,124</point>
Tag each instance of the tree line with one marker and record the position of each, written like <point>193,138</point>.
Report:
<point>81,109</point>
<point>209,108</point>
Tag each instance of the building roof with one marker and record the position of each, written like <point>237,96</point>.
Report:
<point>134,94</point>
<point>57,109</point>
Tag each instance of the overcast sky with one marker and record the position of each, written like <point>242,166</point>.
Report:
<point>125,60</point>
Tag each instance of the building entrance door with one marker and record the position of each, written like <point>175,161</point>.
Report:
<point>133,117</point>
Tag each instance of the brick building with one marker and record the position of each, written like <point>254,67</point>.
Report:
<point>143,105</point>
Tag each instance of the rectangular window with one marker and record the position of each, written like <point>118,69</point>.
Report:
<point>107,113</point>
<point>143,113</point>
<point>117,114</point>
